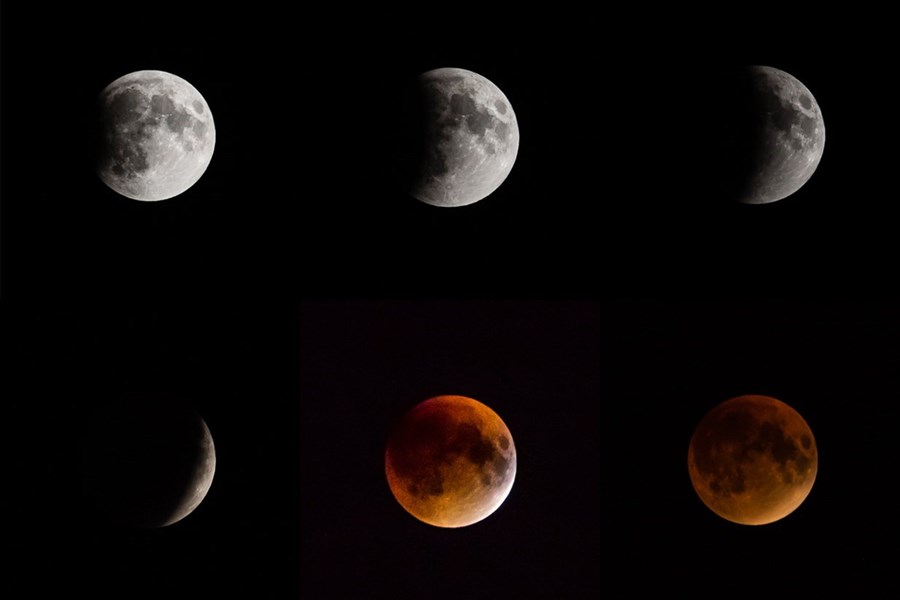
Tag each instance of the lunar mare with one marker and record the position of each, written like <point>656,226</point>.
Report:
<point>451,461</point>
<point>753,460</point>
<point>157,135</point>
<point>471,138</point>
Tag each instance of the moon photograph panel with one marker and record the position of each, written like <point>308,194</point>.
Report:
<point>469,138</point>
<point>792,136</point>
<point>768,135</point>
<point>753,460</point>
<point>157,135</point>
<point>450,461</point>
<point>146,462</point>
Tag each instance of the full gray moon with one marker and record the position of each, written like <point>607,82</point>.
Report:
<point>146,461</point>
<point>471,138</point>
<point>790,140</point>
<point>158,135</point>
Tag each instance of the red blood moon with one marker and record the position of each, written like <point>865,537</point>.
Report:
<point>450,461</point>
<point>753,460</point>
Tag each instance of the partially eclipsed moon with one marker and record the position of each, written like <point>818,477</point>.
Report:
<point>158,135</point>
<point>450,461</point>
<point>471,138</point>
<point>146,461</point>
<point>753,460</point>
<point>791,136</point>
<point>766,135</point>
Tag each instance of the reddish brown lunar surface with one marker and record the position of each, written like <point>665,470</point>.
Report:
<point>450,461</point>
<point>753,460</point>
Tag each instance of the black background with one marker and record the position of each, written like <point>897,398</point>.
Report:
<point>600,300</point>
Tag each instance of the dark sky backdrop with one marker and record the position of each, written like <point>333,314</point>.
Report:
<point>632,301</point>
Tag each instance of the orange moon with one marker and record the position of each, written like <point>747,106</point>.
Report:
<point>450,461</point>
<point>753,460</point>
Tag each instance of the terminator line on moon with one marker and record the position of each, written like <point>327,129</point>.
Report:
<point>471,138</point>
<point>158,135</point>
<point>450,461</point>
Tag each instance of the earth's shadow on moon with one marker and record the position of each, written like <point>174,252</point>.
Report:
<point>140,458</point>
<point>729,154</point>
<point>408,143</point>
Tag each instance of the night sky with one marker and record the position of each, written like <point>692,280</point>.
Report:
<point>600,301</point>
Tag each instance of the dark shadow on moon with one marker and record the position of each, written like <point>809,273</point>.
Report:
<point>736,121</point>
<point>140,460</point>
<point>407,142</point>
<point>439,131</point>
<point>739,139</point>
